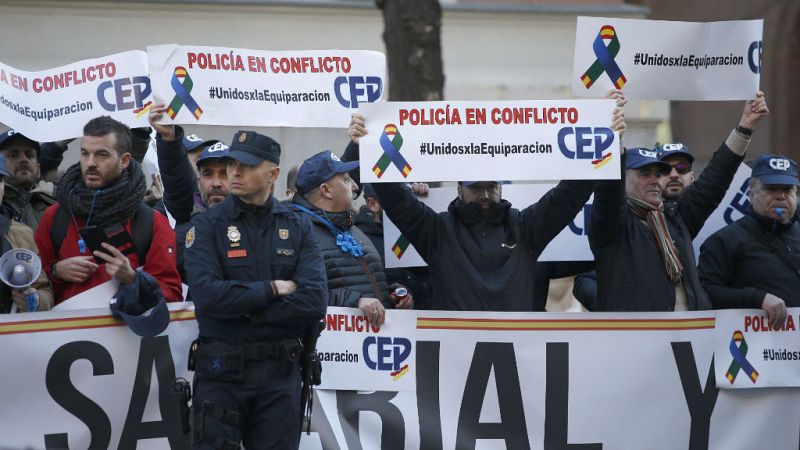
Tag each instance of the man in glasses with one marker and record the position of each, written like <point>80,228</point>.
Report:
<point>681,174</point>
<point>644,254</point>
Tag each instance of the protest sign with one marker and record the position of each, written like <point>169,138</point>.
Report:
<point>242,87</point>
<point>510,140</point>
<point>732,207</point>
<point>55,104</point>
<point>659,59</point>
<point>752,354</point>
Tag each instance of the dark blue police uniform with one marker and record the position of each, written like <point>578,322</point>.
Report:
<point>247,374</point>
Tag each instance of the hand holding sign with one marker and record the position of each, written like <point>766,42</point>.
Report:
<point>754,111</point>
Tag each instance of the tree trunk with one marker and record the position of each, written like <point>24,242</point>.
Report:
<point>412,30</point>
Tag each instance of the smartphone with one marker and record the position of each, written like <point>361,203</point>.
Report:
<point>114,234</point>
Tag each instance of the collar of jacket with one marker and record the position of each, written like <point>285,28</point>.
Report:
<point>471,214</point>
<point>234,207</point>
<point>41,189</point>
<point>343,220</point>
<point>770,226</point>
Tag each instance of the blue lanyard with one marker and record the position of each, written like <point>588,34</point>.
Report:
<point>344,239</point>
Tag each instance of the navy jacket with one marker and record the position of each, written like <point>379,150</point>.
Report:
<point>349,278</point>
<point>479,265</point>
<point>630,271</point>
<point>236,250</point>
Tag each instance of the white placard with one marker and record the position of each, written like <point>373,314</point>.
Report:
<point>508,140</point>
<point>732,207</point>
<point>665,60</point>
<point>751,354</point>
<point>55,104</point>
<point>571,244</point>
<point>242,87</point>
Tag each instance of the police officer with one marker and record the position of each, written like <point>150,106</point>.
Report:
<point>755,261</point>
<point>257,278</point>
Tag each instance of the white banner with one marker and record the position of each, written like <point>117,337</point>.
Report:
<point>732,207</point>
<point>502,140</point>
<point>657,59</point>
<point>80,379</point>
<point>238,87</point>
<point>572,244</point>
<point>751,354</point>
<point>55,104</point>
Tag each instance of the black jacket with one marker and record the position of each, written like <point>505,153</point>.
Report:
<point>630,272</point>
<point>237,249</point>
<point>180,181</point>
<point>416,279</point>
<point>349,278</point>
<point>739,264</point>
<point>478,264</point>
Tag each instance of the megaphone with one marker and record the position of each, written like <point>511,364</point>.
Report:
<point>19,269</point>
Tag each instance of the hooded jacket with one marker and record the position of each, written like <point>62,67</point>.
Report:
<point>28,206</point>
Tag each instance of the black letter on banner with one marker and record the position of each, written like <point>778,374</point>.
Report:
<point>320,424</point>
<point>701,402</point>
<point>428,407</point>
<point>393,427</point>
<point>556,400</point>
<point>511,428</point>
<point>153,350</point>
<point>61,389</point>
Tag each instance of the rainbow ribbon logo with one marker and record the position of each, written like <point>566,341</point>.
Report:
<point>400,246</point>
<point>182,85</point>
<point>739,352</point>
<point>391,141</point>
<point>605,59</point>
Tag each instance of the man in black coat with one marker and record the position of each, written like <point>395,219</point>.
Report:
<point>644,254</point>
<point>755,261</point>
<point>354,269</point>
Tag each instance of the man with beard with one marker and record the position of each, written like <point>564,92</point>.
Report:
<point>644,253</point>
<point>27,196</point>
<point>210,189</point>
<point>105,189</point>
<point>355,273</point>
<point>755,261</point>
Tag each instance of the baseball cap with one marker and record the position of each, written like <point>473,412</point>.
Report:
<point>677,148</point>
<point>639,157</point>
<point>252,148</point>
<point>369,191</point>
<point>9,136</point>
<point>320,168</point>
<point>3,171</point>
<point>141,305</point>
<point>776,169</point>
<point>215,151</point>
<point>193,142</point>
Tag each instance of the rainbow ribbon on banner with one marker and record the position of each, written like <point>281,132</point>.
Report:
<point>391,141</point>
<point>400,246</point>
<point>182,85</point>
<point>739,352</point>
<point>605,59</point>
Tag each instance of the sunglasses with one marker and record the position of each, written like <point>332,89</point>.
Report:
<point>682,168</point>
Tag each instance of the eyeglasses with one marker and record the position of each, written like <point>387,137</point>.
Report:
<point>682,168</point>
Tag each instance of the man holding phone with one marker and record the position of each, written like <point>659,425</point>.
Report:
<point>96,197</point>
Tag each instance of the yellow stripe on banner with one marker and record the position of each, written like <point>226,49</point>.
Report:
<point>400,375</point>
<point>564,325</point>
<point>77,323</point>
<point>603,162</point>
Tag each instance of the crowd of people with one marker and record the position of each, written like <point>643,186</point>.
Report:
<point>262,270</point>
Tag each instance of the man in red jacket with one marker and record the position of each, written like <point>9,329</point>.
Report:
<point>105,189</point>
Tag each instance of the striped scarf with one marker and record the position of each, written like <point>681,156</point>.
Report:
<point>658,226</point>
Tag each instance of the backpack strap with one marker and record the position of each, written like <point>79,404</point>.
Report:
<point>58,231</point>
<point>142,228</point>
